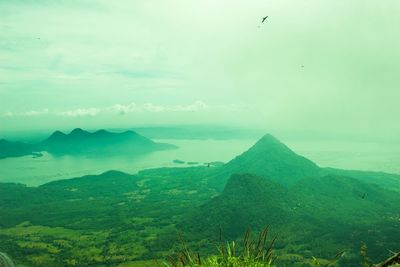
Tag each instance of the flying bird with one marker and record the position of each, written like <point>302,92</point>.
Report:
<point>264,18</point>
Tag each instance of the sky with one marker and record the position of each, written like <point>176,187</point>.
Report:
<point>312,68</point>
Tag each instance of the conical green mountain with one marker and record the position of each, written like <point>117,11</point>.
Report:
<point>271,158</point>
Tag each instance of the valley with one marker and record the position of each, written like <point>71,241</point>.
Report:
<point>117,217</point>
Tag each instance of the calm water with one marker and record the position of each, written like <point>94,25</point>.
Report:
<point>351,155</point>
<point>36,171</point>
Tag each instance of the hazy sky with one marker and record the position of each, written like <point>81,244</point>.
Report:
<point>327,67</point>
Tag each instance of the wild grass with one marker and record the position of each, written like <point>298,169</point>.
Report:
<point>256,252</point>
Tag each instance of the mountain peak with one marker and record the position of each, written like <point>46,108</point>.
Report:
<point>268,157</point>
<point>78,131</point>
<point>269,137</point>
<point>56,135</point>
<point>268,142</point>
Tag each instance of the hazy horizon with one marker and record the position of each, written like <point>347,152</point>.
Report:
<point>311,69</point>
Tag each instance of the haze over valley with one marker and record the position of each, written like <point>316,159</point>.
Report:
<point>199,133</point>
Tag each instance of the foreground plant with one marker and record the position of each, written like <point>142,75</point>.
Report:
<point>253,253</point>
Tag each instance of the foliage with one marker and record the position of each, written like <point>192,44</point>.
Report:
<point>364,255</point>
<point>254,253</point>
<point>117,219</point>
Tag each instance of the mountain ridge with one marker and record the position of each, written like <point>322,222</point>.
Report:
<point>79,141</point>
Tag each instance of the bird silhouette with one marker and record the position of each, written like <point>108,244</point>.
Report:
<point>264,18</point>
<point>363,196</point>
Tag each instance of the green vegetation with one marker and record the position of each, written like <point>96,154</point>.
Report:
<point>252,253</point>
<point>270,158</point>
<point>118,219</point>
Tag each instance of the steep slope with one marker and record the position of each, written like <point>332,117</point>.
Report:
<point>331,211</point>
<point>268,157</point>
<point>247,200</point>
<point>271,158</point>
<point>80,141</point>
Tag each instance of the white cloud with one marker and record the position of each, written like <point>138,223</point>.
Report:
<point>80,112</point>
<point>36,112</point>
<point>29,113</point>
<point>121,109</point>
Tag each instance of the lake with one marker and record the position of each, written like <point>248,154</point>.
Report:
<point>347,155</point>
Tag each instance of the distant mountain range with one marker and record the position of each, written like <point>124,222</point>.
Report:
<point>79,141</point>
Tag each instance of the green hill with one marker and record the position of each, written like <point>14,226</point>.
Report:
<point>247,200</point>
<point>271,158</point>
<point>115,217</point>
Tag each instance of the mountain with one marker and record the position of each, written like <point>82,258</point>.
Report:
<point>247,200</point>
<point>338,212</point>
<point>15,149</point>
<point>316,212</point>
<point>79,141</point>
<point>271,158</point>
<point>271,185</point>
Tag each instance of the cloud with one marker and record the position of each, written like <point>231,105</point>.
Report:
<point>29,113</point>
<point>121,109</point>
<point>135,108</point>
<point>80,112</point>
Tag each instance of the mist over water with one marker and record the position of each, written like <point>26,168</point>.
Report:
<point>36,171</point>
<point>141,101</point>
<point>346,155</point>
<point>368,156</point>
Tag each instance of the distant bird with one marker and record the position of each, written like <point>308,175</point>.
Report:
<point>363,196</point>
<point>264,18</point>
<point>302,66</point>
